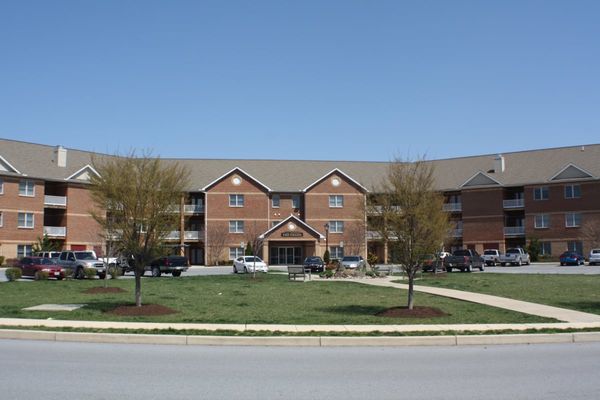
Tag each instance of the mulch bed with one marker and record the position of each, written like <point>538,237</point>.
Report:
<point>416,312</point>
<point>144,310</point>
<point>97,290</point>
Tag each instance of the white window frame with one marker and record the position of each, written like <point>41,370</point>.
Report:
<point>336,252</point>
<point>274,223</point>
<point>236,226</point>
<point>572,220</point>
<point>236,200</point>
<point>24,250</point>
<point>1,186</point>
<point>25,220</point>
<point>543,251</point>
<point>276,204</point>
<point>27,183</point>
<point>541,190</point>
<point>336,201</point>
<point>336,226</point>
<point>541,221</point>
<point>1,219</point>
<point>570,191</point>
<point>235,252</point>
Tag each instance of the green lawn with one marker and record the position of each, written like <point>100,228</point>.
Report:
<point>271,299</point>
<point>576,292</point>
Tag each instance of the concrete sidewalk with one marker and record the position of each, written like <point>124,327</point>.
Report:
<point>525,307</point>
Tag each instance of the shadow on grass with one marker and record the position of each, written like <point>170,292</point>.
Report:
<point>585,306</point>
<point>354,310</point>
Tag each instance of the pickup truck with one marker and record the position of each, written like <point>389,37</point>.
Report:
<point>174,265</point>
<point>515,256</point>
<point>76,261</point>
<point>465,260</point>
<point>491,257</point>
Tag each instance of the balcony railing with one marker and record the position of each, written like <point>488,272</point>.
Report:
<point>55,201</point>
<point>457,233</point>
<point>187,236</point>
<point>514,203</point>
<point>193,208</point>
<point>514,231</point>
<point>453,207</point>
<point>55,231</point>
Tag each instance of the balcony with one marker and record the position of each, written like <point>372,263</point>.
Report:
<point>514,231</point>
<point>193,208</point>
<point>514,203</point>
<point>55,201</point>
<point>55,231</point>
<point>453,207</point>
<point>191,236</point>
<point>457,233</point>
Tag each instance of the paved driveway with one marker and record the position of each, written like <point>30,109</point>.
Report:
<point>546,268</point>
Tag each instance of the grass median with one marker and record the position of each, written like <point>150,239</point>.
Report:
<point>239,299</point>
<point>575,292</point>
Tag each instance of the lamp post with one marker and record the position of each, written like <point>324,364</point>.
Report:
<point>326,226</point>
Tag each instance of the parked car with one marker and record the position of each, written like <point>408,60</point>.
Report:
<point>515,256</point>
<point>174,265</point>
<point>353,262</point>
<point>429,262</point>
<point>33,266</point>
<point>48,254</point>
<point>74,262</point>
<point>491,257</point>
<point>315,264</point>
<point>571,258</point>
<point>465,260</point>
<point>594,257</point>
<point>247,264</point>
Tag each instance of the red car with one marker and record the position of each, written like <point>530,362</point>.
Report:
<point>31,266</point>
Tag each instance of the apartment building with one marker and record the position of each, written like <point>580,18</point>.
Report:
<point>300,208</point>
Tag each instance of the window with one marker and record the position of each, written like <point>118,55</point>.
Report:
<point>236,226</point>
<point>572,191</point>
<point>1,186</point>
<point>295,201</point>
<point>26,188</point>
<point>336,252</point>
<point>1,218</point>
<point>540,193</point>
<point>336,226</point>
<point>542,221</point>
<point>572,220</point>
<point>235,252</point>
<point>25,220</point>
<point>545,248</point>
<point>236,200</point>
<point>275,201</point>
<point>24,250</point>
<point>336,201</point>
<point>274,223</point>
<point>575,246</point>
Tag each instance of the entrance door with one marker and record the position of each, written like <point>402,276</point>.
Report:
<point>286,255</point>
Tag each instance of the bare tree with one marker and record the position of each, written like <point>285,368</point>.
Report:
<point>253,236</point>
<point>136,194</point>
<point>413,215</point>
<point>216,241</point>
<point>354,237</point>
<point>591,233</point>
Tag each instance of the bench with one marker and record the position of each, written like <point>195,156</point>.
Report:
<point>295,270</point>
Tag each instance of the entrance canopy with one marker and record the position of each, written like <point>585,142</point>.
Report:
<point>292,229</point>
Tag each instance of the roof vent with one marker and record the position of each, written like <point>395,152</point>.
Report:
<point>499,164</point>
<point>60,156</point>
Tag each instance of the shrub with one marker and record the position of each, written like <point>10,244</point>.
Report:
<point>372,258</point>
<point>90,273</point>
<point>326,257</point>
<point>327,274</point>
<point>1,260</point>
<point>41,275</point>
<point>115,272</point>
<point>13,273</point>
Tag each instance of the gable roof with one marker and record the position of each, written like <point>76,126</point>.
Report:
<point>83,174</point>
<point>335,171</point>
<point>297,221</point>
<point>5,166</point>
<point>571,171</point>
<point>480,179</point>
<point>239,170</point>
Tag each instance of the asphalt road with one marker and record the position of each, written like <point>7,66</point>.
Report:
<point>55,370</point>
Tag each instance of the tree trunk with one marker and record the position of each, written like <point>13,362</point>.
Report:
<point>411,291</point>
<point>138,287</point>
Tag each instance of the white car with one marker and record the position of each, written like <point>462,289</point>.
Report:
<point>594,257</point>
<point>247,264</point>
<point>353,262</point>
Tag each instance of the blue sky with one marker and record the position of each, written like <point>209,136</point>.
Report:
<point>357,80</point>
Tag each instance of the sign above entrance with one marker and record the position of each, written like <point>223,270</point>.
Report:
<point>292,234</point>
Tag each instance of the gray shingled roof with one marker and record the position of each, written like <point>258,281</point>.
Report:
<point>525,167</point>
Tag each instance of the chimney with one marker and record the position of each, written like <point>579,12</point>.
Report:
<point>60,156</point>
<point>499,165</point>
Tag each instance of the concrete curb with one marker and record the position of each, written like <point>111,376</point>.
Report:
<point>301,341</point>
